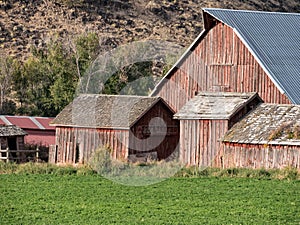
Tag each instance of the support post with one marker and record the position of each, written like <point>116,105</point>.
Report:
<point>7,155</point>
<point>37,154</point>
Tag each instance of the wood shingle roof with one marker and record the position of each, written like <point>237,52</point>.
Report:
<point>268,124</point>
<point>11,130</point>
<point>104,111</point>
<point>214,105</point>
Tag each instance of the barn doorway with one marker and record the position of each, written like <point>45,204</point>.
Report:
<point>12,145</point>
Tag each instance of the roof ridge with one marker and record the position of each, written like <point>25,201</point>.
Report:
<point>119,96</point>
<point>250,11</point>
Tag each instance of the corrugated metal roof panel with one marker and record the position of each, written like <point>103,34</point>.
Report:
<point>23,122</point>
<point>274,39</point>
<point>45,121</point>
<point>28,122</point>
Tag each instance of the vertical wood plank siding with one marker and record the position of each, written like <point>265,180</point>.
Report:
<point>259,156</point>
<point>76,144</point>
<point>199,141</point>
<point>166,143</point>
<point>87,140</point>
<point>220,62</point>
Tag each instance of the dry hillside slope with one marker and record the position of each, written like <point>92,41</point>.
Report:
<point>24,23</point>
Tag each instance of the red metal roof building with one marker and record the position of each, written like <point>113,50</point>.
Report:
<point>38,129</point>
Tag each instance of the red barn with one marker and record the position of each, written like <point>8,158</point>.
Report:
<point>37,128</point>
<point>239,51</point>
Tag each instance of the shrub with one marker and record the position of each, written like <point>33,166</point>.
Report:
<point>101,161</point>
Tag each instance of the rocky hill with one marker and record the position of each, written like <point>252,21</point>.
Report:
<point>26,23</point>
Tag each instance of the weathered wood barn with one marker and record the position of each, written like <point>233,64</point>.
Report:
<point>37,128</point>
<point>205,119</point>
<point>128,125</point>
<point>268,137</point>
<point>215,90</point>
<point>238,51</point>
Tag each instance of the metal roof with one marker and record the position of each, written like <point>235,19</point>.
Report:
<point>104,111</point>
<point>274,40</point>
<point>27,122</point>
<point>214,105</point>
<point>268,124</point>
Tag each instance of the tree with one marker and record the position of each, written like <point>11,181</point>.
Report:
<point>6,73</point>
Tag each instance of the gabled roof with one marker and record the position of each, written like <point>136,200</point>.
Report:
<point>273,38</point>
<point>27,122</point>
<point>104,111</point>
<point>210,105</point>
<point>268,124</point>
<point>11,130</point>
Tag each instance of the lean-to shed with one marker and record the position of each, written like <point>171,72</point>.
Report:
<point>205,119</point>
<point>132,127</point>
<point>239,51</point>
<point>268,137</point>
<point>11,138</point>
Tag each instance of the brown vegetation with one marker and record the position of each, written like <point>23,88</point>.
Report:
<point>26,23</point>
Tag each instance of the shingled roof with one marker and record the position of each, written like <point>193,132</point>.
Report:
<point>268,124</point>
<point>214,105</point>
<point>11,130</point>
<point>104,111</point>
<point>272,37</point>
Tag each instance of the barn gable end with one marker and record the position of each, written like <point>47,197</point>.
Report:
<point>224,58</point>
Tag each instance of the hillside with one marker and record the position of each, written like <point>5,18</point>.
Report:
<point>26,23</point>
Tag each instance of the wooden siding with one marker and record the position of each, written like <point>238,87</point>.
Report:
<point>259,156</point>
<point>77,144</point>
<point>166,143</point>
<point>220,62</point>
<point>199,141</point>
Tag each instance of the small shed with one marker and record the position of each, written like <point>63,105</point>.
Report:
<point>12,138</point>
<point>268,137</point>
<point>131,126</point>
<point>205,119</point>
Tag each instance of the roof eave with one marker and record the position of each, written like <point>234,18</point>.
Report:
<point>90,127</point>
<point>179,62</point>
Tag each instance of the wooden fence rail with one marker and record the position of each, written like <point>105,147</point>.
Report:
<point>19,155</point>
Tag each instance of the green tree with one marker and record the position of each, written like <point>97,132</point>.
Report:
<point>6,74</point>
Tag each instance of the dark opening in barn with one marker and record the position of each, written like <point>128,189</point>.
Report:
<point>132,127</point>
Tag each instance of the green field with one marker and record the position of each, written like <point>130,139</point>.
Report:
<point>90,199</point>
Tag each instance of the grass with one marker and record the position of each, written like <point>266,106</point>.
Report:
<point>78,196</point>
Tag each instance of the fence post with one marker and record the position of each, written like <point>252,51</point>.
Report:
<point>7,155</point>
<point>37,154</point>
